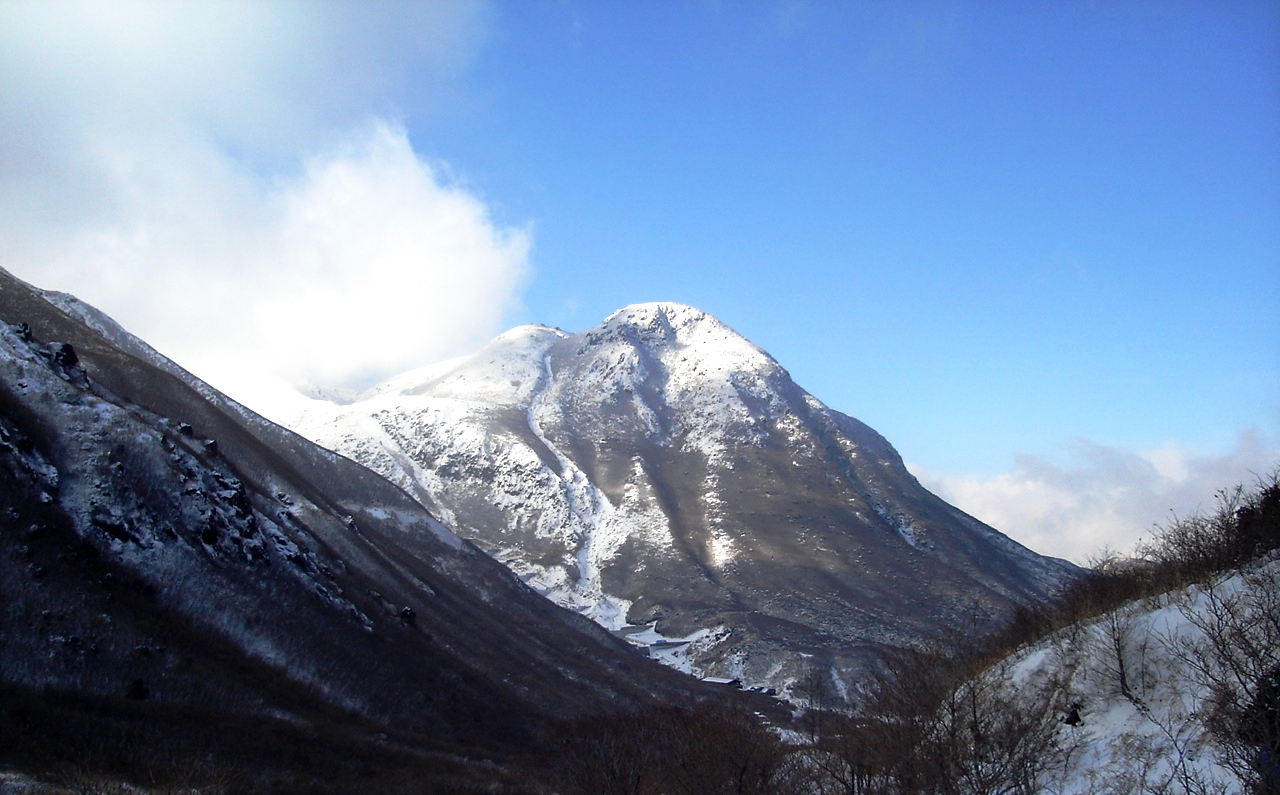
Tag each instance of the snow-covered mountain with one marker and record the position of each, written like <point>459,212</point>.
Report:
<point>159,542</point>
<point>664,476</point>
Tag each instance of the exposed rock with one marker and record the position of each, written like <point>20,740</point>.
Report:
<point>661,471</point>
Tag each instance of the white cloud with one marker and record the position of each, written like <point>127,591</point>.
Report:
<point>1106,497</point>
<point>215,176</point>
<point>258,76</point>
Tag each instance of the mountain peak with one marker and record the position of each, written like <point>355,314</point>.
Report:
<point>661,471</point>
<point>694,337</point>
<point>670,312</point>
<point>666,320</point>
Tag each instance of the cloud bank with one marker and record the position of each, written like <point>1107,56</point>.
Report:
<point>1105,497</point>
<point>214,176</point>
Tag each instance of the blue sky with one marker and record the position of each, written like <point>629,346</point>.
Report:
<point>1037,246</point>
<point>982,228</point>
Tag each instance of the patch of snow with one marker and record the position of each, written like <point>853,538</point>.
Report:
<point>406,521</point>
<point>685,651</point>
<point>1155,739</point>
<point>898,520</point>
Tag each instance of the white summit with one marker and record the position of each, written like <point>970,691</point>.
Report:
<point>667,478</point>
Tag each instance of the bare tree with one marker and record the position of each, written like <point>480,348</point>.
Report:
<point>1236,659</point>
<point>1120,635</point>
<point>815,692</point>
<point>613,755</point>
<point>722,750</point>
<point>935,726</point>
<point>1001,739</point>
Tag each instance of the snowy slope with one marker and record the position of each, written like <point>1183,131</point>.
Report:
<point>1154,737</point>
<point>664,476</point>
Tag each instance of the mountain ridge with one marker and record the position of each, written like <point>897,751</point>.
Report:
<point>660,471</point>
<point>162,543</point>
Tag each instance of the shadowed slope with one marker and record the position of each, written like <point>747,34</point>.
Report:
<point>162,543</point>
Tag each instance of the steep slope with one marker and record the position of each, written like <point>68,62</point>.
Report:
<point>666,477</point>
<point>162,543</point>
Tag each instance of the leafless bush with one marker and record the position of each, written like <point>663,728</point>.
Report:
<point>926,730</point>
<point>74,781</point>
<point>720,749</point>
<point>1001,739</point>
<point>613,755</point>
<point>1126,645</point>
<point>1236,660</point>
<point>1189,548</point>
<point>1243,527</point>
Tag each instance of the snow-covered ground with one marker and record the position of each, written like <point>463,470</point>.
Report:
<point>1149,734</point>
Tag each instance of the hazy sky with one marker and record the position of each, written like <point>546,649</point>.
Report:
<point>1036,245</point>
